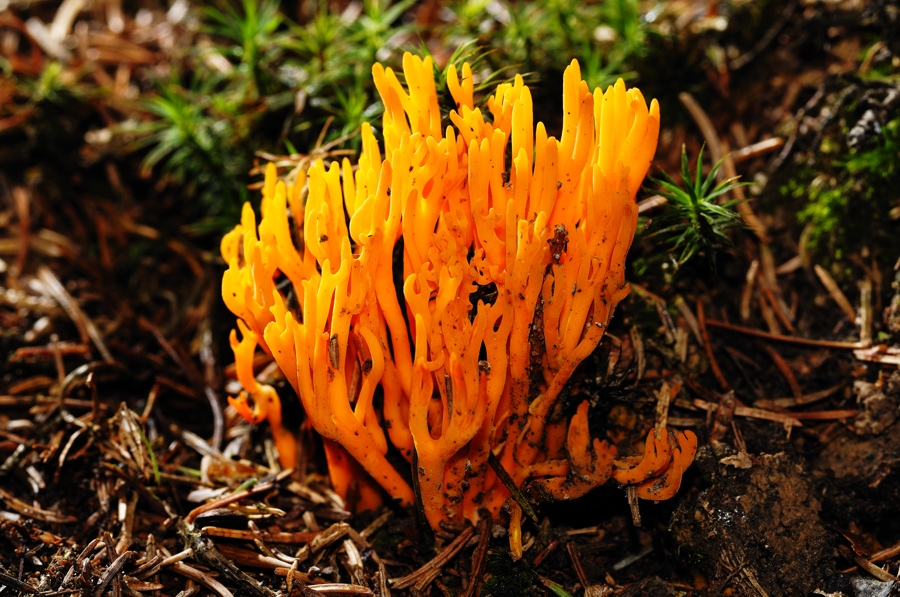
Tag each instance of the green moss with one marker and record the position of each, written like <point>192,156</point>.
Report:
<point>845,198</point>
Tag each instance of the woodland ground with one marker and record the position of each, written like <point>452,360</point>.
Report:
<point>127,139</point>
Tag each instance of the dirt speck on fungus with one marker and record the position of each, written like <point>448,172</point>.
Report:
<point>757,530</point>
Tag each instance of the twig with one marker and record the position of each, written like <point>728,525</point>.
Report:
<point>341,589</point>
<point>701,320</point>
<point>110,573</point>
<point>743,206</point>
<point>784,368</point>
<point>836,294</point>
<point>10,581</point>
<point>778,307</point>
<point>383,589</point>
<point>756,149</point>
<point>866,565</point>
<point>747,293</point>
<point>250,535</point>
<point>85,326</point>
<point>228,499</point>
<point>202,578</point>
<point>782,338</point>
<point>706,126</point>
<point>865,320</point>
<point>798,400</point>
<point>575,557</point>
<point>206,553</point>
<point>826,415</point>
<point>510,484</point>
<point>436,563</point>
<point>753,413</point>
<point>478,557</point>
<point>633,504</point>
<point>651,203</point>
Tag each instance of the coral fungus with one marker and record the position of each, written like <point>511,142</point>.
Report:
<point>510,274</point>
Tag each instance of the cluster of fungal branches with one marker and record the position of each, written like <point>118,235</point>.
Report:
<point>511,272</point>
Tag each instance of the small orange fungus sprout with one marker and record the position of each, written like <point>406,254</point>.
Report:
<point>511,271</point>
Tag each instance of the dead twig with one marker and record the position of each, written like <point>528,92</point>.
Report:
<point>701,320</point>
<point>784,368</point>
<point>753,413</point>
<point>706,126</point>
<point>202,578</point>
<point>836,294</point>
<point>756,149</point>
<point>782,338</point>
<point>479,556</point>
<point>436,563</point>
<point>85,326</point>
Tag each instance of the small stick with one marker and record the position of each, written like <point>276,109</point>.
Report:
<point>510,484</point>
<point>651,203</point>
<point>835,292</point>
<point>689,318</point>
<point>826,415</point>
<point>865,301</point>
<point>782,337</point>
<point>110,573</point>
<point>701,320</point>
<point>551,547</point>
<point>436,563</point>
<point>747,294</point>
<point>705,124</point>
<point>572,550</point>
<point>768,312</point>
<point>632,497</point>
<point>784,368</point>
<point>202,578</point>
<point>238,495</point>
<point>383,589</point>
<point>86,327</point>
<point>756,225</point>
<point>753,413</point>
<point>756,149</point>
<point>478,558</point>
<point>777,307</point>
<point>777,403</point>
<point>866,565</point>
